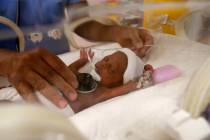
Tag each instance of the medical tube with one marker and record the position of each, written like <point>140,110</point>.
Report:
<point>16,29</point>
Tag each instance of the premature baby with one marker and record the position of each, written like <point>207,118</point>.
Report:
<point>110,68</point>
<point>116,71</point>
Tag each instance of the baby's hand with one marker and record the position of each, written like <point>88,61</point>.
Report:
<point>84,54</point>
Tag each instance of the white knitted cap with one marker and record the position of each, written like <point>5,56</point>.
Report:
<point>135,65</point>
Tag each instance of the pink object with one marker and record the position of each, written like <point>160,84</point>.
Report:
<point>95,2</point>
<point>165,73</point>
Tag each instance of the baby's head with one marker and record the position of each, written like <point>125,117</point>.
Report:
<point>112,68</point>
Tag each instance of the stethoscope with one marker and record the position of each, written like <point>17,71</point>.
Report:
<point>87,84</point>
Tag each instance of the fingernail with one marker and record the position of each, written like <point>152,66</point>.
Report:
<point>73,96</point>
<point>139,45</point>
<point>75,84</point>
<point>63,103</point>
<point>148,45</point>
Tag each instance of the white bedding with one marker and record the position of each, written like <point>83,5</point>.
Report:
<point>143,115</point>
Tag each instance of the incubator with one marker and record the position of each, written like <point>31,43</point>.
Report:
<point>176,107</point>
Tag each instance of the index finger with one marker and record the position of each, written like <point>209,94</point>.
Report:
<point>40,84</point>
<point>136,39</point>
<point>59,66</point>
<point>141,52</point>
<point>146,37</point>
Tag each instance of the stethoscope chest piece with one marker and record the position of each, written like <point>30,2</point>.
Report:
<point>86,83</point>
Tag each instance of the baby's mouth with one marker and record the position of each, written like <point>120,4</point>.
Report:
<point>97,68</point>
<point>97,71</point>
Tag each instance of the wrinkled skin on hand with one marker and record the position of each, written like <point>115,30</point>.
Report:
<point>139,40</point>
<point>40,70</point>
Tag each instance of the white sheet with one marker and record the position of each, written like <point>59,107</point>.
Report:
<point>143,115</point>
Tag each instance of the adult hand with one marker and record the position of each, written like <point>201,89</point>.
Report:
<point>139,40</point>
<point>40,70</point>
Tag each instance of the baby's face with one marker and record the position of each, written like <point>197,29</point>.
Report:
<point>112,68</point>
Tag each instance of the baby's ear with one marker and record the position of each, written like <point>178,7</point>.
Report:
<point>69,67</point>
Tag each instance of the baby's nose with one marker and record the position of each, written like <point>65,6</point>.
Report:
<point>97,65</point>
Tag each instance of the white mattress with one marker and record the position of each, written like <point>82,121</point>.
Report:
<point>143,115</point>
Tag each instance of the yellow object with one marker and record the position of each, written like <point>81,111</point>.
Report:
<point>116,18</point>
<point>163,14</point>
<point>113,3</point>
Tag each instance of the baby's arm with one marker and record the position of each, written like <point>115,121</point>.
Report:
<point>81,61</point>
<point>118,91</point>
<point>102,94</point>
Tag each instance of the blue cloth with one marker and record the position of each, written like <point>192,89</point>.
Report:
<point>8,8</point>
<point>72,1</point>
<point>35,16</point>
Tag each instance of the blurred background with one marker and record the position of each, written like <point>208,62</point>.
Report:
<point>185,18</point>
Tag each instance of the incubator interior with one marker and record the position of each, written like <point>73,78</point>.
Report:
<point>176,107</point>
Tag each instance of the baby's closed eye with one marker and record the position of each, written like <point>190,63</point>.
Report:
<point>106,59</point>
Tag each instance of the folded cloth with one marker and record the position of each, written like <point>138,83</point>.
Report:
<point>10,94</point>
